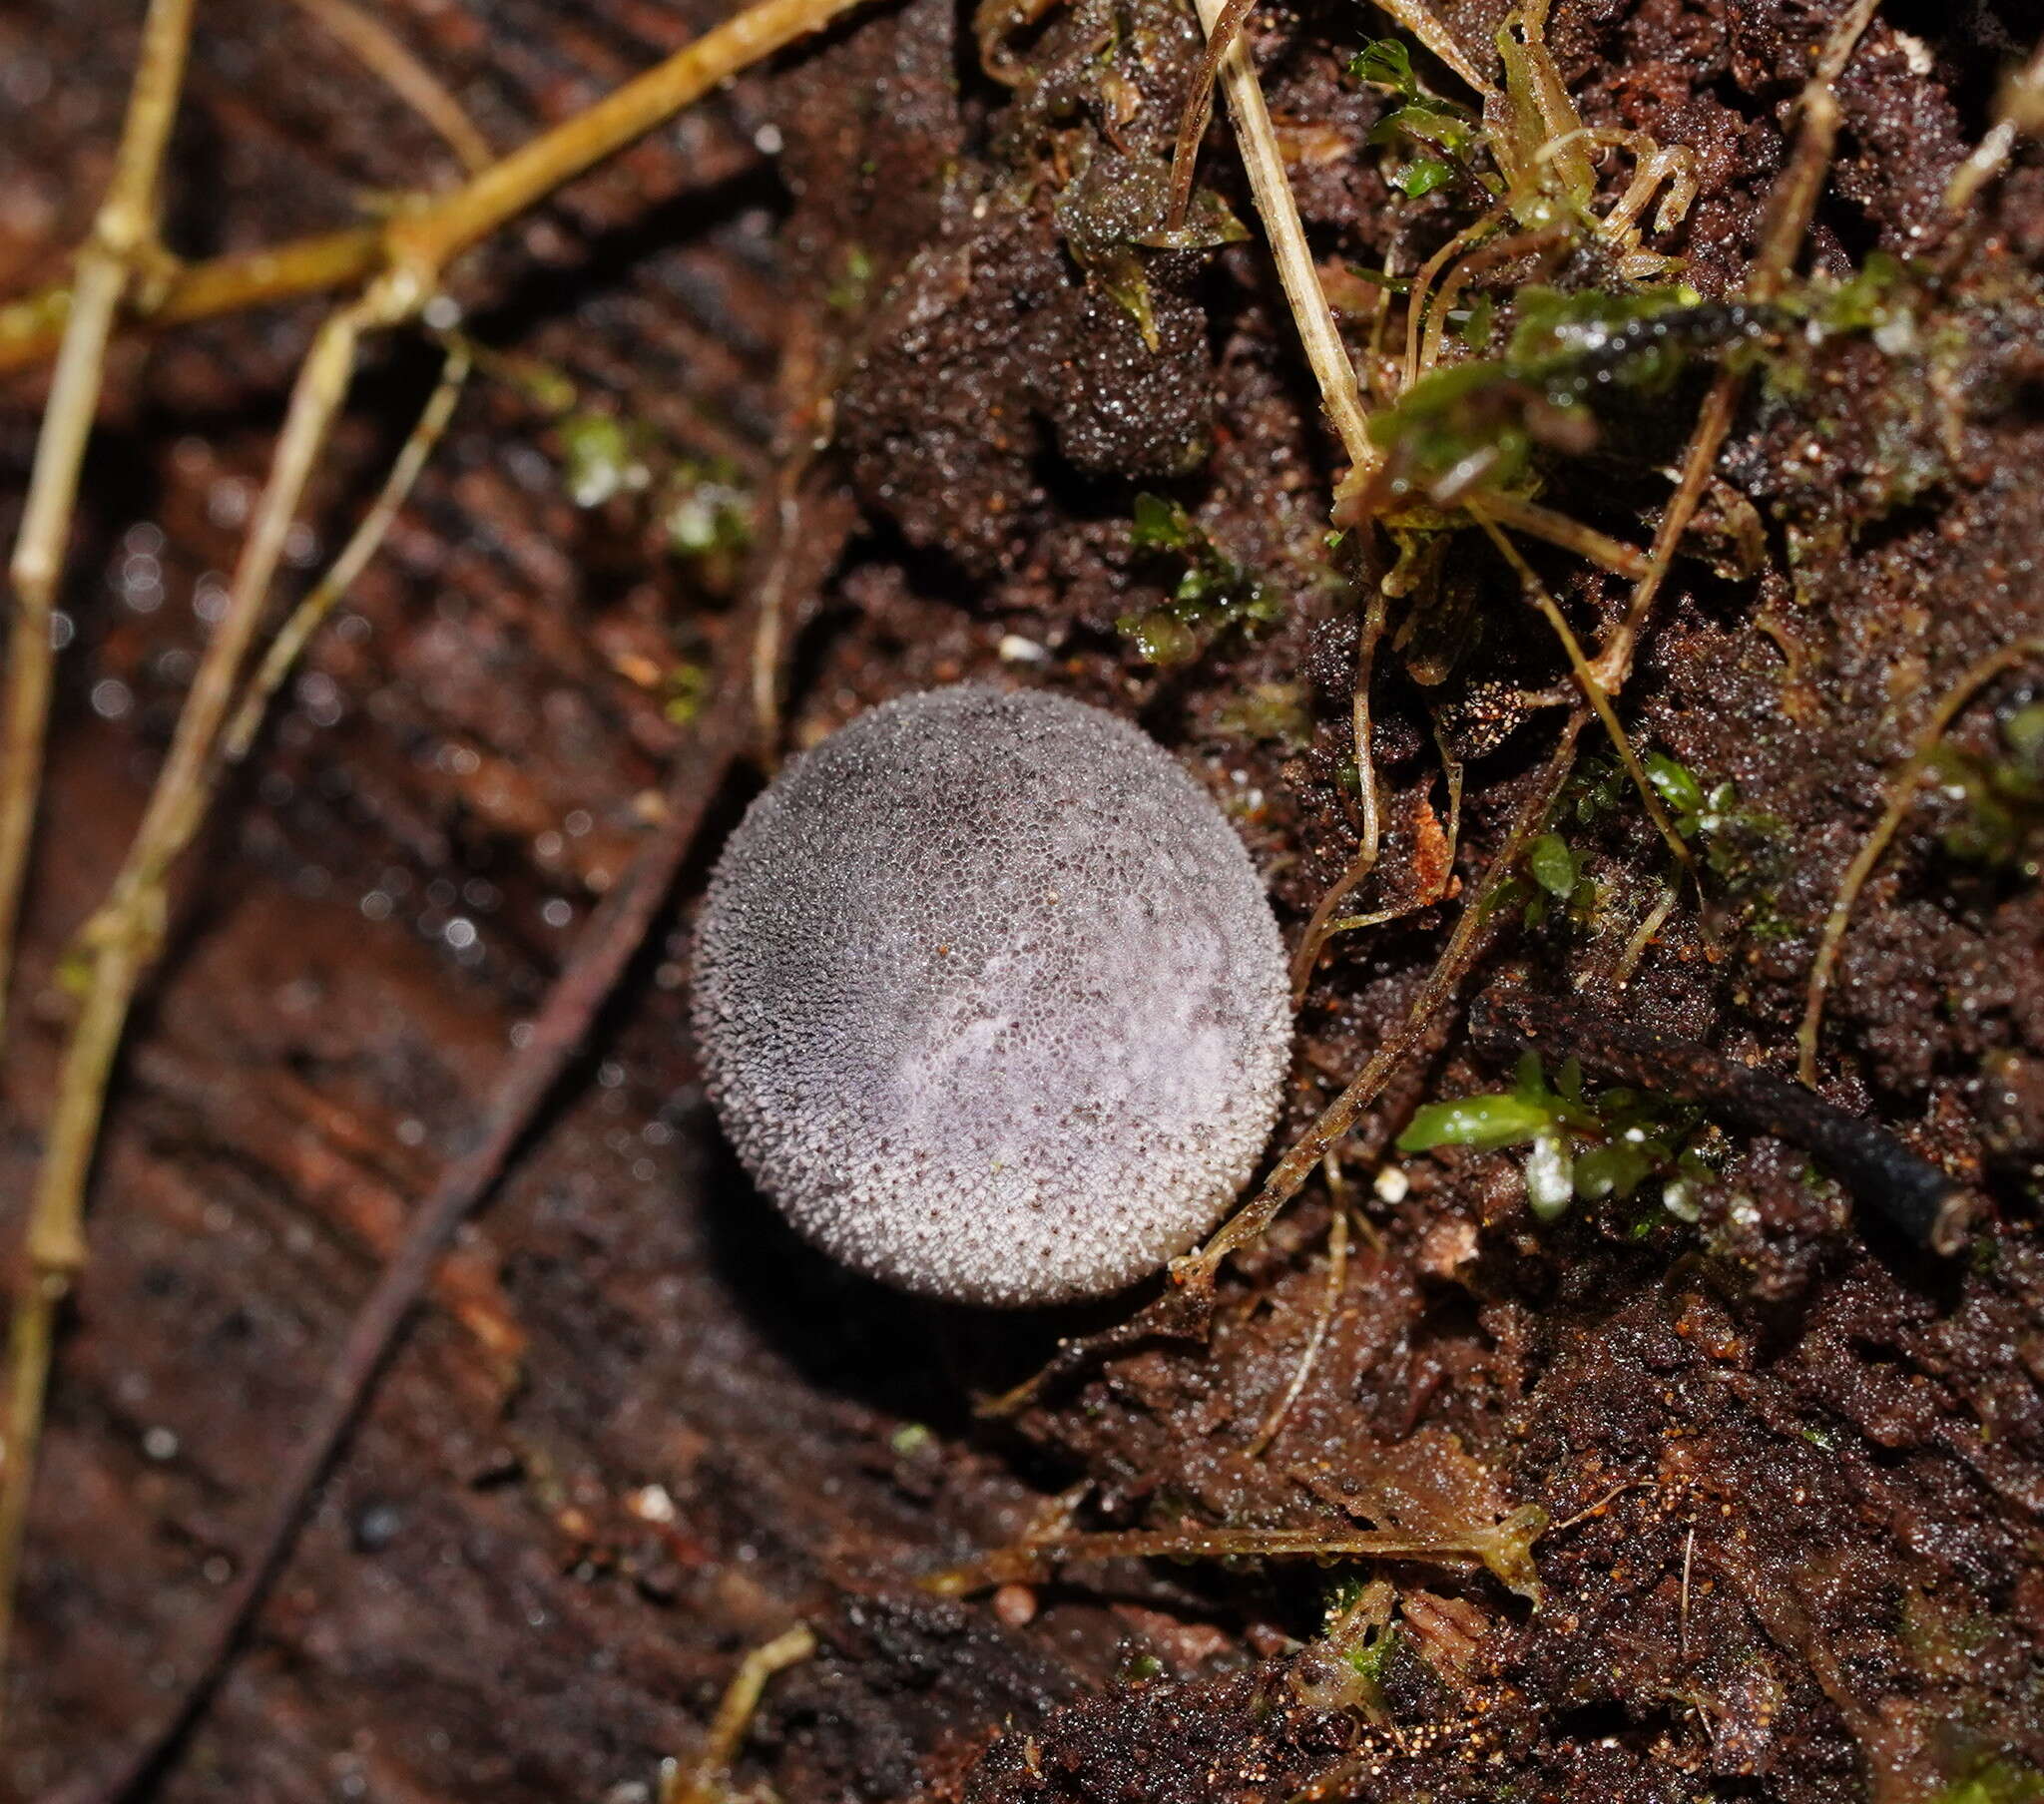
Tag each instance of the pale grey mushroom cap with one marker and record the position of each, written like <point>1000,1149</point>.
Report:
<point>991,1000</point>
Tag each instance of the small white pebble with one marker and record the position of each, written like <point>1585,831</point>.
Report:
<point>651,1502</point>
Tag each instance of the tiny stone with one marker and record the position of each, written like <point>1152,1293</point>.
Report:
<point>375,1527</point>
<point>1015,1605</point>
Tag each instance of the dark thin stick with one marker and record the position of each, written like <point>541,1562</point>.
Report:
<point>1176,1315</point>
<point>608,946</point>
<point>1926,1204</point>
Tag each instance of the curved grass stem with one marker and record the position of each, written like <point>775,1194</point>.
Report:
<point>1594,693</point>
<point>1319,926</point>
<point>1338,1274</point>
<point>704,1780</point>
<point>1902,796</point>
<point>384,54</point>
<point>310,613</point>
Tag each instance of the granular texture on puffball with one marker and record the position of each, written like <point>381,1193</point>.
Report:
<point>991,998</point>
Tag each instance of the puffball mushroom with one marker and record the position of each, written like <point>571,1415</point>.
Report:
<point>990,998</point>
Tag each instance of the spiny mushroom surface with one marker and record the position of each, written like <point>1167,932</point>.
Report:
<point>991,1000</point>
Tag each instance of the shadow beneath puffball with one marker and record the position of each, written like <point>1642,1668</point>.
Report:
<point>918,1358</point>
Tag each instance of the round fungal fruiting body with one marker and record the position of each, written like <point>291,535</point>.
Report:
<point>991,998</point>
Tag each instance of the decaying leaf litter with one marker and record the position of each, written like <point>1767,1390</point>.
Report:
<point>1817,1585</point>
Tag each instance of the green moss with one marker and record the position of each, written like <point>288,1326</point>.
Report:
<point>1476,425</point>
<point>601,457</point>
<point>706,509</point>
<point>2000,794</point>
<point>1214,591</point>
<point>685,690</point>
<point>1584,1146</point>
<point>1998,1782</point>
<point>1385,63</point>
<point>852,286</point>
<point>1268,712</point>
<point>1553,866</point>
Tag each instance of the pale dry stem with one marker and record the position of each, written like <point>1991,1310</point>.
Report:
<point>2019,108</point>
<point>1593,691</point>
<point>423,241</point>
<point>1566,533</point>
<point>1338,1273</point>
<point>310,613</point>
<point>1290,1171</point>
<point>704,1779</point>
<point>1263,162</point>
<point>1318,928</point>
<point>123,236</point>
<point>385,55</point>
<point>121,941</point>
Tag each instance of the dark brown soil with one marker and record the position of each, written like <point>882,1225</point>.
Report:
<point>1792,1465</point>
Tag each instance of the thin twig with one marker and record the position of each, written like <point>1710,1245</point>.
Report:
<point>1196,1270</point>
<point>310,613</point>
<point>1501,1547</point>
<point>702,1779</point>
<point>1613,665</point>
<point>1198,109</point>
<point>123,234</point>
<point>386,56</point>
<point>1642,936</point>
<point>1586,680</point>
<point>1902,796</point>
<point>1337,1272</point>
<point>1481,257</point>
<point>1566,533</point>
<point>123,937</point>
<point>431,239</point>
<point>1689,1554</point>
<point>31,327</point>
<point>423,241</point>
<point>1264,161</point>
<point>2018,108</point>
<point>1365,861</point>
<point>1794,200</point>
<point>1589,1510</point>
<point>1423,279</point>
